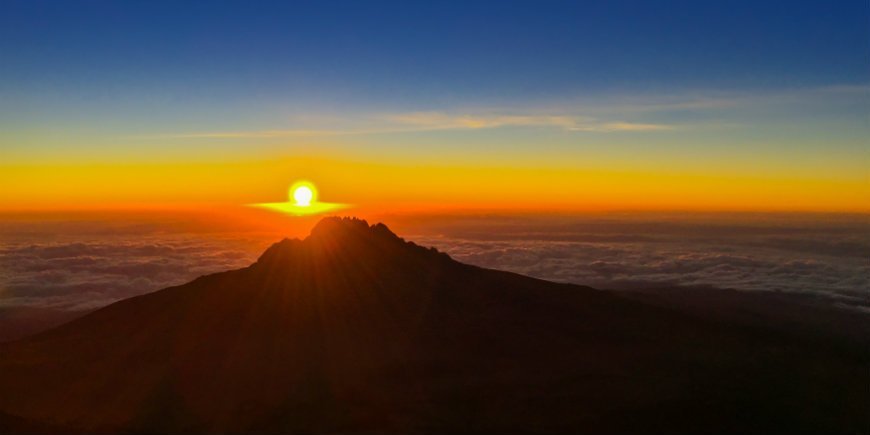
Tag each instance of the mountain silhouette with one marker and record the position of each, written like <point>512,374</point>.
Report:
<point>355,330</point>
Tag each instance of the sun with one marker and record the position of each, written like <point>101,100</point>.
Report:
<point>303,196</point>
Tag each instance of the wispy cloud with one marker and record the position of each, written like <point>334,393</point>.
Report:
<point>634,114</point>
<point>621,126</point>
<point>700,101</point>
<point>262,134</point>
<point>448,121</point>
<point>434,121</point>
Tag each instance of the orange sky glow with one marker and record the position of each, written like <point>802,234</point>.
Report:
<point>397,187</point>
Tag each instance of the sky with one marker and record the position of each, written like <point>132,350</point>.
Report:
<point>532,106</point>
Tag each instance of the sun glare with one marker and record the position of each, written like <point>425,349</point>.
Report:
<point>302,201</point>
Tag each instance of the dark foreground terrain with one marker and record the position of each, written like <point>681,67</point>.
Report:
<point>354,330</point>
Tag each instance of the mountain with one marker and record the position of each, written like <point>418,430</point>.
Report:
<point>22,321</point>
<point>354,330</point>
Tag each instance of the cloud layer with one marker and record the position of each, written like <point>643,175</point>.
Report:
<point>93,273</point>
<point>817,256</point>
<point>830,261</point>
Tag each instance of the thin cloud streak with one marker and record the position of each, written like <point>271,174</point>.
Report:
<point>435,121</point>
<point>610,115</point>
<point>446,121</point>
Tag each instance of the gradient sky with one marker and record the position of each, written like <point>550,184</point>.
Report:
<point>669,105</point>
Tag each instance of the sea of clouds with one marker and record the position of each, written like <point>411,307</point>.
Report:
<point>808,254</point>
<point>829,256</point>
<point>86,274</point>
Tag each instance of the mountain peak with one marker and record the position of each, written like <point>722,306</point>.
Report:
<point>349,234</point>
<point>343,226</point>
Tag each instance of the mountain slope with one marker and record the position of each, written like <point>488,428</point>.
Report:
<point>353,329</point>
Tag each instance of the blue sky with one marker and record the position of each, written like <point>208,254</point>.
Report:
<point>437,53</point>
<point>757,87</point>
